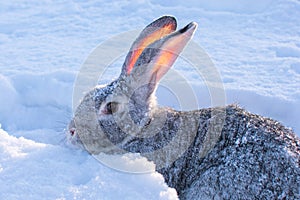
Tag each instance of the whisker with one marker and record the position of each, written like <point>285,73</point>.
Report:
<point>59,128</point>
<point>61,121</point>
<point>67,116</point>
<point>62,141</point>
<point>63,138</point>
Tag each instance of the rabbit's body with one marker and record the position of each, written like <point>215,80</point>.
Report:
<point>215,153</point>
<point>254,158</point>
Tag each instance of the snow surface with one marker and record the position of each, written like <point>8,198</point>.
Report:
<point>255,45</point>
<point>32,170</point>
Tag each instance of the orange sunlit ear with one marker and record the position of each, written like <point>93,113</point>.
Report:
<point>139,46</point>
<point>169,53</point>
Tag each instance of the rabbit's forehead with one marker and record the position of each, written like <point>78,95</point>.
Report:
<point>114,91</point>
<point>102,91</point>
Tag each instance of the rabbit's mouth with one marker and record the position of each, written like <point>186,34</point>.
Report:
<point>72,136</point>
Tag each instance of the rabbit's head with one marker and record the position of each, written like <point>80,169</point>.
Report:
<point>108,114</point>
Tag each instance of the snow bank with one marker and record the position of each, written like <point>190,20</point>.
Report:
<point>8,100</point>
<point>33,170</point>
<point>32,101</point>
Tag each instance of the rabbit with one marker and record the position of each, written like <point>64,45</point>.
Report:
<point>210,153</point>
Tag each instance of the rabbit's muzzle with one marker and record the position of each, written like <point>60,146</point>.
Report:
<point>72,135</point>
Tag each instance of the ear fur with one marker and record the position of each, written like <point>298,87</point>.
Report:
<point>153,32</point>
<point>158,57</point>
<point>170,50</point>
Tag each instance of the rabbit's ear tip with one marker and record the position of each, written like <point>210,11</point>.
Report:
<point>168,17</point>
<point>192,25</point>
<point>165,20</point>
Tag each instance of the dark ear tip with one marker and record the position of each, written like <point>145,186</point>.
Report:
<point>165,20</point>
<point>189,26</point>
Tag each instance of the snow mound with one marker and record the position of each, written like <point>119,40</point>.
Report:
<point>29,98</point>
<point>8,98</point>
<point>43,171</point>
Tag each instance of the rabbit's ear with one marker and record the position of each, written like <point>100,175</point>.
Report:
<point>155,60</point>
<point>153,32</point>
<point>159,56</point>
<point>165,52</point>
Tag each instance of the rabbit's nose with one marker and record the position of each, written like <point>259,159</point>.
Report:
<point>72,131</point>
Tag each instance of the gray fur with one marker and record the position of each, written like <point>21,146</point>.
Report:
<point>214,153</point>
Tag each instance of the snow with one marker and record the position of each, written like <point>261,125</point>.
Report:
<point>33,170</point>
<point>254,45</point>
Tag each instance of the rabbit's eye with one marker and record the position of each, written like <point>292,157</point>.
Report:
<point>111,107</point>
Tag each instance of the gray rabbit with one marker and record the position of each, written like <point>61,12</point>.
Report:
<point>213,153</point>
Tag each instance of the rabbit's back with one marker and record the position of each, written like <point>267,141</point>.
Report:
<point>254,158</point>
